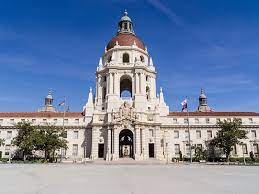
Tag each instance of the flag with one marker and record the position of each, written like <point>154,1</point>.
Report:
<point>184,105</point>
<point>62,103</point>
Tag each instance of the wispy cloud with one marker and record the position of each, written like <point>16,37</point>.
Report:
<point>167,11</point>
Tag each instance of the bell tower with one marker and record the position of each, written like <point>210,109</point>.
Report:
<point>125,72</point>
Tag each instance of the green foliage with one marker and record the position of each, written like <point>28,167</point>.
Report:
<point>228,136</point>
<point>45,138</point>
<point>1,142</point>
<point>200,154</point>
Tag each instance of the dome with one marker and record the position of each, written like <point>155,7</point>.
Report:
<point>126,39</point>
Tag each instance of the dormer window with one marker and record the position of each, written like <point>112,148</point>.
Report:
<point>125,58</point>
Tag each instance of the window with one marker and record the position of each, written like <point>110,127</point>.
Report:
<point>23,120</point>
<point>186,134</point>
<point>198,134</point>
<point>174,120</point>
<point>55,120</point>
<point>125,58</point>
<point>255,148</point>
<point>207,120</point>
<point>9,135</point>
<point>234,151</point>
<point>253,133</point>
<point>209,134</point>
<point>33,120</point>
<point>77,121</point>
<point>63,152</point>
<point>7,150</point>
<point>75,150</point>
<point>176,134</point>
<point>185,121</point>
<point>44,120</point>
<point>64,134</point>
<point>244,148</point>
<point>250,120</point>
<point>151,133</point>
<point>75,134</point>
<point>65,120</point>
<point>196,120</point>
<point>177,148</point>
<point>142,59</point>
<point>109,59</point>
<point>217,120</point>
<point>147,78</point>
<point>12,121</point>
<point>1,121</point>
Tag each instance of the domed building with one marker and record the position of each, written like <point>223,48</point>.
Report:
<point>126,118</point>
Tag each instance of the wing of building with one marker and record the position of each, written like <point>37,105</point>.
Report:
<point>127,118</point>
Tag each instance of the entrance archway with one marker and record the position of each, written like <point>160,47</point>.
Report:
<point>126,144</point>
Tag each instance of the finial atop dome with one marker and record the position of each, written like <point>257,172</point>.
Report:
<point>125,24</point>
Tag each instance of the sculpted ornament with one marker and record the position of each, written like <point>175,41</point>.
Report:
<point>126,114</point>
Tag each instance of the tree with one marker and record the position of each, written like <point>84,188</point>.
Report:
<point>25,139</point>
<point>200,154</point>
<point>228,136</point>
<point>1,142</point>
<point>49,139</point>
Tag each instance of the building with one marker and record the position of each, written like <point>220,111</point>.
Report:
<point>127,118</point>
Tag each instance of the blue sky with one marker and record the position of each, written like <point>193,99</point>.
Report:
<point>54,44</point>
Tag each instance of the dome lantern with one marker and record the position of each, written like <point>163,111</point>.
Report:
<point>125,24</point>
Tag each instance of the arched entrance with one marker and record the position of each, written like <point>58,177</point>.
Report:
<point>125,86</point>
<point>126,144</point>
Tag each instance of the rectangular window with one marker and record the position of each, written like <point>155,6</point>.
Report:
<point>218,120</point>
<point>255,148</point>
<point>63,152</point>
<point>207,120</point>
<point>65,134</point>
<point>7,150</point>
<point>186,134</point>
<point>244,148</point>
<point>75,134</point>
<point>209,134</point>
<point>250,120</point>
<point>177,148</point>
<point>253,133</point>
<point>174,120</point>
<point>9,135</point>
<point>199,146</point>
<point>75,150</point>
<point>1,121</point>
<point>44,120</point>
<point>176,134</point>
<point>196,120</point>
<point>12,121</point>
<point>198,134</point>
<point>186,121</point>
<point>77,121</point>
<point>55,120</point>
<point>65,120</point>
<point>33,120</point>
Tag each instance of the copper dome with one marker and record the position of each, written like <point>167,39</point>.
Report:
<point>125,39</point>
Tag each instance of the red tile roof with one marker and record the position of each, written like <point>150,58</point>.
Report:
<point>40,114</point>
<point>125,40</point>
<point>215,114</point>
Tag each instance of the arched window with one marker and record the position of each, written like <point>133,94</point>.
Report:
<point>125,87</point>
<point>109,59</point>
<point>142,59</point>
<point>125,58</point>
<point>148,93</point>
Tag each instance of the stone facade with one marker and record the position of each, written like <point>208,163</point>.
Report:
<point>127,118</point>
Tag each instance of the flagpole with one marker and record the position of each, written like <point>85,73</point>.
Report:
<point>188,118</point>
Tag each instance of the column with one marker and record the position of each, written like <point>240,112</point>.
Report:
<point>108,151</point>
<point>143,84</point>
<point>108,83</point>
<point>157,143</point>
<point>144,144</point>
<point>94,150</point>
<point>137,143</point>
<point>136,83</point>
<point>116,144</point>
<point>111,82</point>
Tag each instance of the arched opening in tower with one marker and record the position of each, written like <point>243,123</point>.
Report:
<point>125,87</point>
